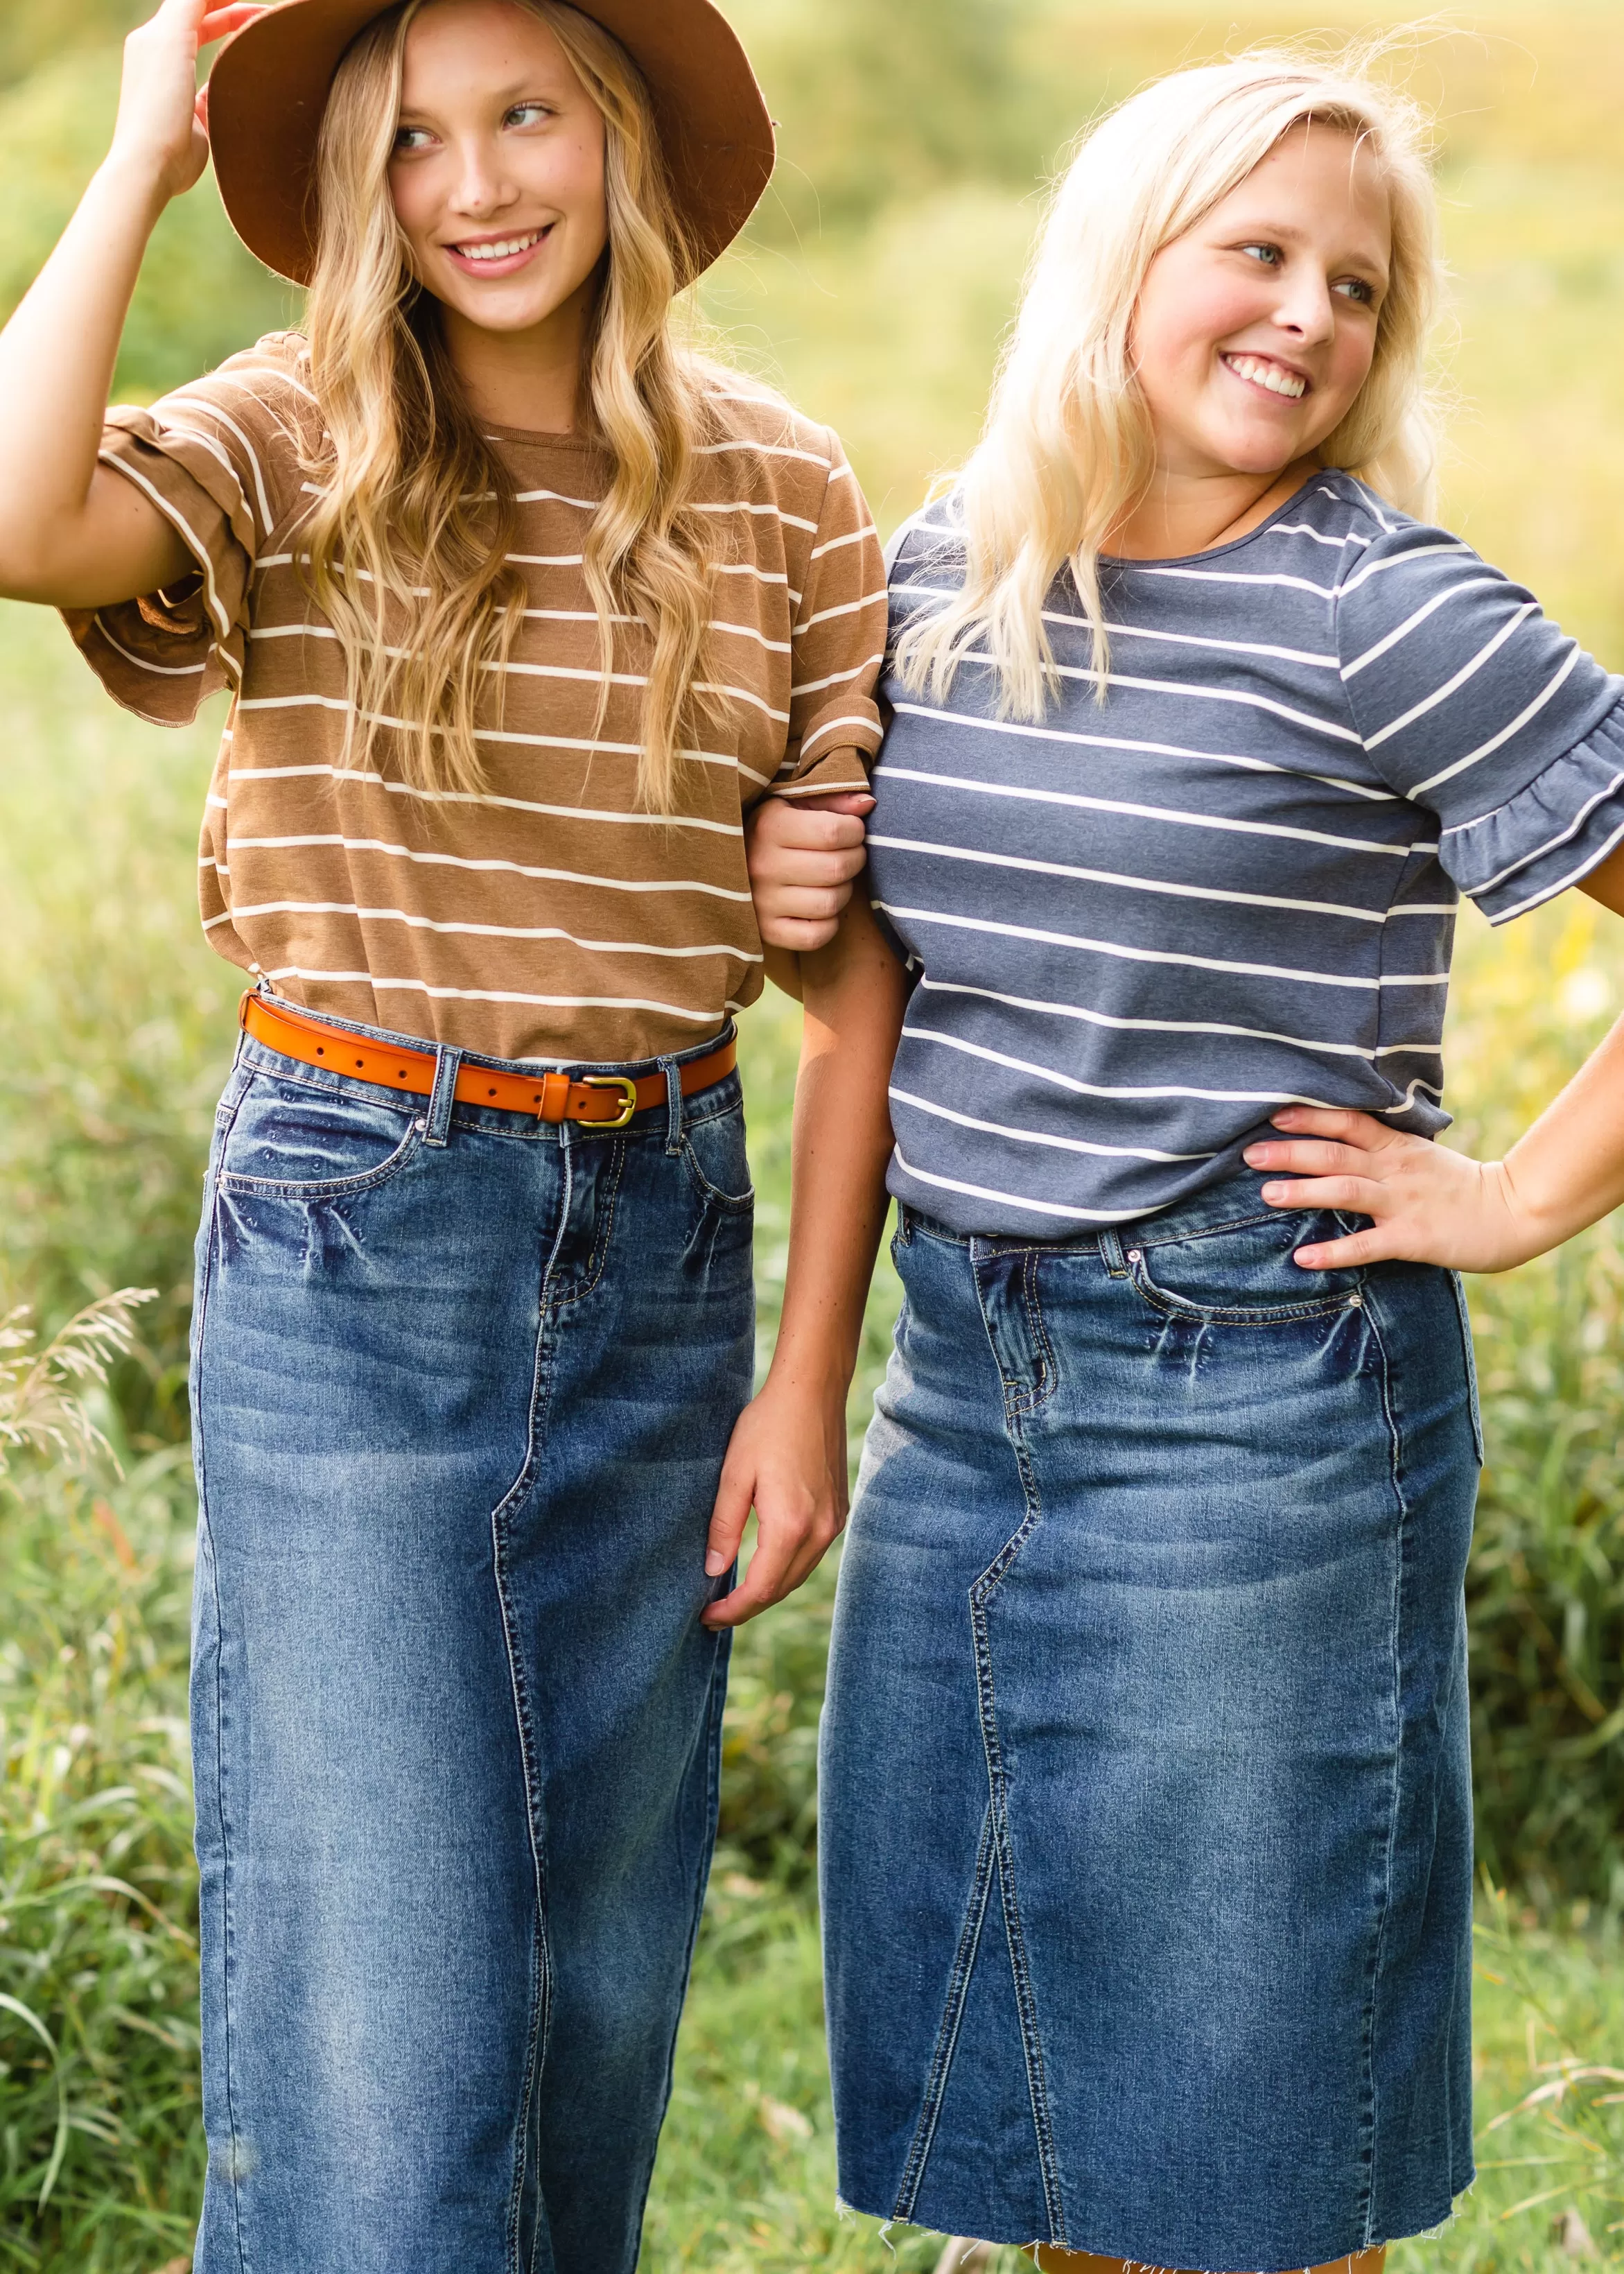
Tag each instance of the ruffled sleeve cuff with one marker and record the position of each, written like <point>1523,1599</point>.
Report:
<point>1550,835</point>
<point>835,753</point>
<point>161,655</point>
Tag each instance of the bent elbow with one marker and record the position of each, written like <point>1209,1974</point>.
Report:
<point>27,566</point>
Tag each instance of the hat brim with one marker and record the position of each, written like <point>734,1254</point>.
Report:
<point>270,84</point>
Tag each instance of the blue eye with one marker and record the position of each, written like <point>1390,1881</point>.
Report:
<point>412,138</point>
<point>1356,288</point>
<point>526,114</point>
<point>1267,256</point>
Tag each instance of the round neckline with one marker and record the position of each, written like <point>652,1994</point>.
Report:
<point>539,438</point>
<point>1217,552</point>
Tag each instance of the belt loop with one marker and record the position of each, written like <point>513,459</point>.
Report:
<point>1111,1249</point>
<point>447,1066</point>
<point>673,1073</point>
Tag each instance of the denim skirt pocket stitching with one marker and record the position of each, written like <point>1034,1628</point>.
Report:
<point>1144,1235</point>
<point>1238,1315</point>
<point>238,1083</point>
<point>939,1235</point>
<point>732,1203</point>
<point>237,1087</point>
<point>326,1188</point>
<point>707,1114</point>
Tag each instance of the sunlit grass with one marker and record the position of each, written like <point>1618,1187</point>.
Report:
<point>116,1028</point>
<point>745,2183</point>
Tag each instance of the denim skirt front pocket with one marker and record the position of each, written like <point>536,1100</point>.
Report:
<point>290,1140</point>
<point>1145,1807</point>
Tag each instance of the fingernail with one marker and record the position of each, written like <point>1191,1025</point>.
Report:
<point>1256,1156</point>
<point>1274,1192</point>
<point>716,1563</point>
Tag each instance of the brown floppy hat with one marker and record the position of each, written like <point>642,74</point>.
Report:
<point>270,84</point>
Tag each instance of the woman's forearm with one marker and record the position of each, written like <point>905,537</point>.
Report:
<point>855,996</point>
<point>72,534</point>
<point>57,360</point>
<point>1568,1169</point>
<point>789,1455</point>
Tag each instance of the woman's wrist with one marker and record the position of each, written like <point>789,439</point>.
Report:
<point>131,180</point>
<point>1536,1220</point>
<point>813,1366</point>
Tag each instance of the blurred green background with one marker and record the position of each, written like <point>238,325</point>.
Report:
<point>917,138</point>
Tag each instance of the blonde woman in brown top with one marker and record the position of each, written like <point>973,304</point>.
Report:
<point>522,609</point>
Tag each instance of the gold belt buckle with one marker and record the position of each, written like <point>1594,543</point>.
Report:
<point>629,1092</point>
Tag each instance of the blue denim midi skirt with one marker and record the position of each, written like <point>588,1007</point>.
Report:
<point>1146,1816</point>
<point>463,1385</point>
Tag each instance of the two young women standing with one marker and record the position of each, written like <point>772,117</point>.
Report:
<point>1147,1858</point>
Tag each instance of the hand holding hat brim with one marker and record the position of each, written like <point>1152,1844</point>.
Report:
<point>223,24</point>
<point>160,131</point>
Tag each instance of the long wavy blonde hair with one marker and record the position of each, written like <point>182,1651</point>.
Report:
<point>1068,448</point>
<point>410,537</point>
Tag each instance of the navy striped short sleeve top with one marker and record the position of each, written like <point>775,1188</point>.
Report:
<point>1139,928</point>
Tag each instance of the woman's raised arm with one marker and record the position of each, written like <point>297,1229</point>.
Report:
<point>72,534</point>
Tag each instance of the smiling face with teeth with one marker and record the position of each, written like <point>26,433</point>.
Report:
<point>1256,329</point>
<point>498,181</point>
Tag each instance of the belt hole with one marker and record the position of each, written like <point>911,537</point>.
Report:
<point>490,1093</point>
<point>320,1051</point>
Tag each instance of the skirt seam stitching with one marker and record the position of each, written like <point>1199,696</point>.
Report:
<point>205,1293</point>
<point>1370,2120</point>
<point>952,2017</point>
<point>540,1989</point>
<point>1026,2002</point>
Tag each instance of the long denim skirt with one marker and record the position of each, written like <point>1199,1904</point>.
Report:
<point>463,1385</point>
<point>1145,1818</point>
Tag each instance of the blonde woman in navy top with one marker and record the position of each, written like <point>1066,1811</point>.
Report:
<point>1145,1818</point>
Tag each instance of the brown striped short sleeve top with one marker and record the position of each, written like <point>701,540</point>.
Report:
<point>545,918</point>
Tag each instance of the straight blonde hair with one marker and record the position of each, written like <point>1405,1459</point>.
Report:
<point>409,537</point>
<point>1068,449</point>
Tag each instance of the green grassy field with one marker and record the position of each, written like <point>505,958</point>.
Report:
<point>875,287</point>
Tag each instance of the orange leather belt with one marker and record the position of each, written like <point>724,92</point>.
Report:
<point>607,1101</point>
